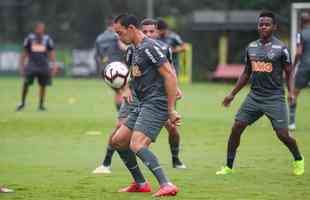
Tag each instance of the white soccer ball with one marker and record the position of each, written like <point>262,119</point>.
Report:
<point>116,75</point>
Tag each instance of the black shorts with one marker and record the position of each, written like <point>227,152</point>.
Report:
<point>302,78</point>
<point>44,78</point>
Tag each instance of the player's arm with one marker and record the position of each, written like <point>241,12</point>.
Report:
<point>299,50</point>
<point>171,89</point>
<point>242,81</point>
<point>181,46</point>
<point>97,54</point>
<point>23,57</point>
<point>52,58</point>
<point>169,56</point>
<point>289,75</point>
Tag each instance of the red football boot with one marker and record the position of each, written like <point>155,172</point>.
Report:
<point>167,190</point>
<point>134,187</point>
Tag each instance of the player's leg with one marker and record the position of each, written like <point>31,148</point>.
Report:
<point>174,143</point>
<point>42,90</point>
<point>28,80</point>
<point>105,167</point>
<point>151,119</point>
<point>232,146</point>
<point>248,113</point>
<point>290,143</point>
<point>120,142</point>
<point>276,111</point>
<point>293,106</point>
<point>44,79</point>
<point>301,81</point>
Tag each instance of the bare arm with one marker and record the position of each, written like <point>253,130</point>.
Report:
<point>52,57</point>
<point>180,48</point>
<point>242,81</point>
<point>170,84</point>
<point>171,89</point>
<point>23,57</point>
<point>288,69</point>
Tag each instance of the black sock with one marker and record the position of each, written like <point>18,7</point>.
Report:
<point>292,113</point>
<point>230,159</point>
<point>175,149</point>
<point>108,156</point>
<point>129,159</point>
<point>150,160</point>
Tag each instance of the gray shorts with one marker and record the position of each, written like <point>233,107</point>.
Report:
<point>148,118</point>
<point>274,108</point>
<point>302,78</point>
<point>126,108</point>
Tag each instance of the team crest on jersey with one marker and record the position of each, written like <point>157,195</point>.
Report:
<point>261,66</point>
<point>135,71</point>
<point>270,55</point>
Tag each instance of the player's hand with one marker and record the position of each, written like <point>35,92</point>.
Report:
<point>291,98</point>
<point>179,94</point>
<point>175,118</point>
<point>227,100</point>
<point>127,95</point>
<point>55,69</point>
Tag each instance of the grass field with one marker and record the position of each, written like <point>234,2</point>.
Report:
<point>50,155</point>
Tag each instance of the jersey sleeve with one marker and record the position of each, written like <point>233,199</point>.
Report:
<point>178,40</point>
<point>286,56</point>
<point>155,55</point>
<point>247,62</point>
<point>50,44</point>
<point>27,43</point>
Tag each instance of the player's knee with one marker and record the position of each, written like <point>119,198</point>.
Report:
<point>282,134</point>
<point>239,126</point>
<point>117,142</point>
<point>135,146</point>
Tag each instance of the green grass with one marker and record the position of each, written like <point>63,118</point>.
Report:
<point>48,155</point>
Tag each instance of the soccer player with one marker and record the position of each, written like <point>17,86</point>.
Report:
<point>302,57</point>
<point>155,85</point>
<point>265,61</point>
<point>39,50</point>
<point>149,28</point>
<point>108,48</point>
<point>173,40</point>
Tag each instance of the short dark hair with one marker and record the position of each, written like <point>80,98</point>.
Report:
<point>126,20</point>
<point>149,21</point>
<point>161,24</point>
<point>266,13</point>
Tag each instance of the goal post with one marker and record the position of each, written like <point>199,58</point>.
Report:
<point>296,10</point>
